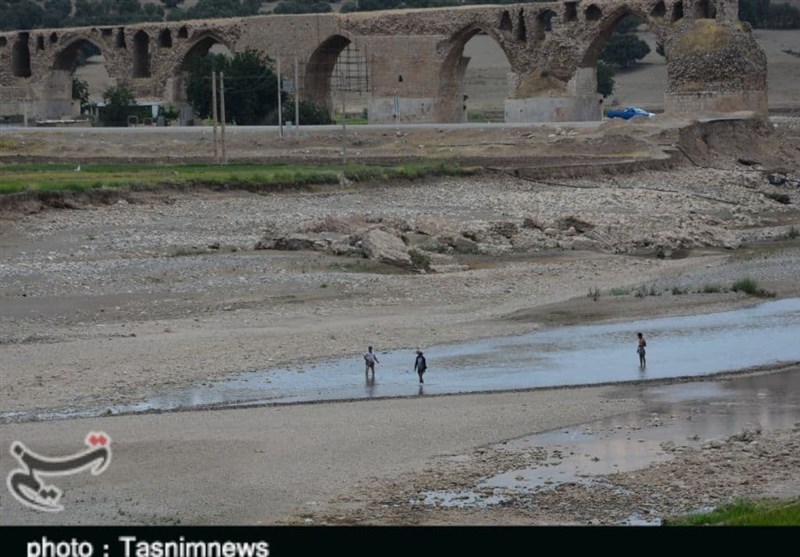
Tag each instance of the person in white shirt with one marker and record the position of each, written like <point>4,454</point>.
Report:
<point>370,359</point>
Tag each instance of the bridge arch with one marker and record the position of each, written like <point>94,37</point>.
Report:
<point>704,9</point>
<point>545,22</point>
<point>21,56</point>
<point>607,23</point>
<point>141,54</point>
<point>319,69</point>
<point>450,101</point>
<point>67,57</point>
<point>67,63</point>
<point>677,11</point>
<point>199,48</point>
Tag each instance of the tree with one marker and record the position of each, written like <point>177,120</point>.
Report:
<point>198,83</point>
<point>207,9</point>
<point>628,24</point>
<point>755,12</point>
<point>605,79</point>
<point>310,113</point>
<point>55,12</point>
<point>80,92</point>
<point>624,50</point>
<point>251,88</point>
<point>24,14</point>
<point>120,102</point>
<point>302,7</point>
<point>783,16</point>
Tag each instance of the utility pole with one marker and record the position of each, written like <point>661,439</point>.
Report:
<point>214,112</point>
<point>296,97</point>
<point>344,128</point>
<point>280,107</point>
<point>222,101</point>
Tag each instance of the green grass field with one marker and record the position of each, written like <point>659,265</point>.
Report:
<point>744,512</point>
<point>16,178</point>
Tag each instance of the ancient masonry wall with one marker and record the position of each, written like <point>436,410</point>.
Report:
<point>414,58</point>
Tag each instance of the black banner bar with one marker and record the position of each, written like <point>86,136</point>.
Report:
<point>373,541</point>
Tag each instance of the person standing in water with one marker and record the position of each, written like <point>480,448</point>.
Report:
<point>641,350</point>
<point>370,359</point>
<point>420,365</point>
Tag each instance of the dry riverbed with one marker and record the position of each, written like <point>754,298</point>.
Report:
<point>107,303</point>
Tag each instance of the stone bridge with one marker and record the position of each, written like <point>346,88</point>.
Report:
<point>413,61</point>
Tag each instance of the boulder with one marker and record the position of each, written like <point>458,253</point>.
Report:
<point>386,248</point>
<point>390,222</point>
<point>528,222</point>
<point>504,228</point>
<point>476,231</point>
<point>265,243</point>
<point>528,239</point>
<point>294,242</point>
<point>584,244</point>
<point>580,224</point>
<point>460,244</point>
<point>435,226</point>
<point>418,240</point>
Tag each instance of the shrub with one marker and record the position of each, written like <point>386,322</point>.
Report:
<point>309,113</point>
<point>120,103</point>
<point>420,260</point>
<point>750,286</point>
<point>746,285</point>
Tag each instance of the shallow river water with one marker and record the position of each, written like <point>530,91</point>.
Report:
<point>677,346</point>
<point>698,345</point>
<point>765,334</point>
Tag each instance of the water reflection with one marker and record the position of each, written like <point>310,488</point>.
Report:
<point>678,416</point>
<point>370,386</point>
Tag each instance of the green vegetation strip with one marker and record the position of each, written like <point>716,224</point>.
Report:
<point>744,512</point>
<point>15,178</point>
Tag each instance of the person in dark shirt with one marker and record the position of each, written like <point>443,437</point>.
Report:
<point>420,364</point>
